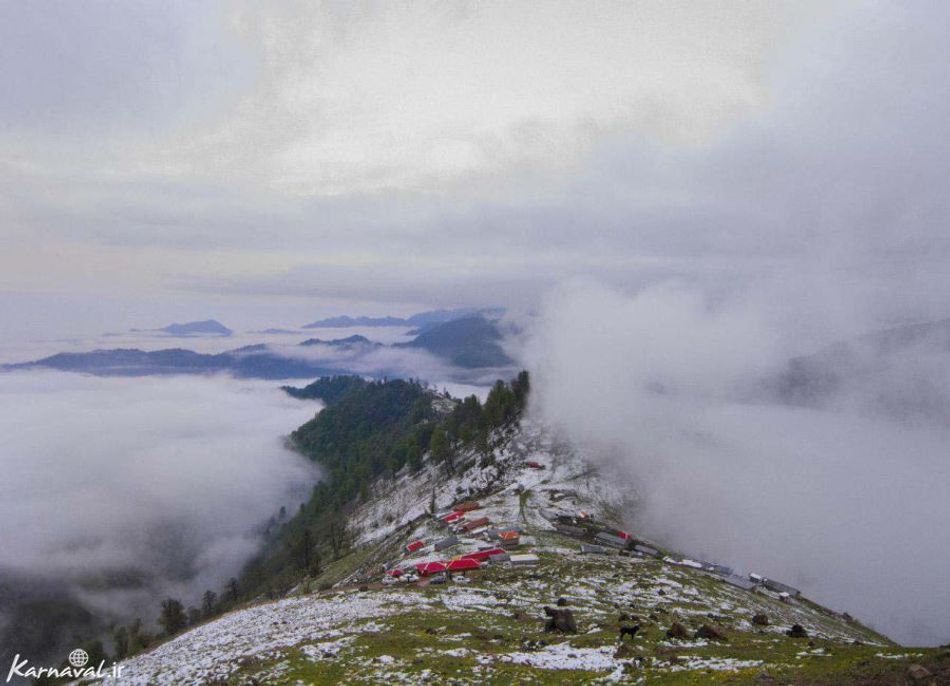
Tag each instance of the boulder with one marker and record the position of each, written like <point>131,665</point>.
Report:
<point>711,632</point>
<point>918,672</point>
<point>677,631</point>
<point>561,620</point>
<point>797,631</point>
<point>562,601</point>
<point>625,651</point>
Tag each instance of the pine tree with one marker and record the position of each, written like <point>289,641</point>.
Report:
<point>138,639</point>
<point>96,652</point>
<point>306,545</point>
<point>120,639</point>
<point>172,618</point>
<point>439,445</point>
<point>414,456</point>
<point>208,601</point>
<point>233,590</point>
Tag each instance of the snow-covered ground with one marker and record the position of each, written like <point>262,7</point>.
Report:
<point>409,496</point>
<point>214,651</point>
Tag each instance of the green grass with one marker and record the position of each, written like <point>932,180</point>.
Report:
<point>410,645</point>
<point>415,641</point>
<point>339,570</point>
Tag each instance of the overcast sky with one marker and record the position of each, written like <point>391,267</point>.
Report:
<point>275,161</point>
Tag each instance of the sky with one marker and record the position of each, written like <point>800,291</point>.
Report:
<point>279,161</point>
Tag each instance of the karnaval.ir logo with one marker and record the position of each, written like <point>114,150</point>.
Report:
<point>78,660</point>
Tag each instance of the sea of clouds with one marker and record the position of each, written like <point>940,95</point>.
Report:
<point>160,485</point>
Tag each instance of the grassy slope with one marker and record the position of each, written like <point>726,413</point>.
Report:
<point>472,640</point>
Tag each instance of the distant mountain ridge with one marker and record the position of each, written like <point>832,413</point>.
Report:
<point>345,322</point>
<point>470,343</point>
<point>247,362</point>
<point>206,327</point>
<point>354,341</point>
<point>867,366</point>
<point>420,320</point>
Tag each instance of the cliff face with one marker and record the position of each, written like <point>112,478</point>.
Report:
<point>567,617</point>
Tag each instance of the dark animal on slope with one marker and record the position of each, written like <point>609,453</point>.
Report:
<point>629,630</point>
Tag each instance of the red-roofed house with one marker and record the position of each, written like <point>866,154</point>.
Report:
<point>415,545</point>
<point>427,568</point>
<point>481,555</point>
<point>463,565</point>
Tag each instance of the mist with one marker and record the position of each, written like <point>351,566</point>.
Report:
<point>846,500</point>
<point>119,492</point>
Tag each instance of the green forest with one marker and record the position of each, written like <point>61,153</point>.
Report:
<point>367,430</point>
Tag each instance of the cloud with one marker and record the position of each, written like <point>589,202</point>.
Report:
<point>162,482</point>
<point>847,502</point>
<point>389,144</point>
<point>101,69</point>
<point>377,96</point>
<point>833,180</point>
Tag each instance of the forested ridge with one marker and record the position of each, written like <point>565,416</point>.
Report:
<point>370,430</point>
<point>367,430</point>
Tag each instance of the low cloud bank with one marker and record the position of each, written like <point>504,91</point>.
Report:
<point>846,500</point>
<point>119,492</point>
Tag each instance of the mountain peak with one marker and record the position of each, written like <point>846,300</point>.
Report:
<point>205,327</point>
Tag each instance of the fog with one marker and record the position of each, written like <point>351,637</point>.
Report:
<point>847,501</point>
<point>160,486</point>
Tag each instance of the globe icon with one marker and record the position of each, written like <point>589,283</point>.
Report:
<point>78,658</point>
